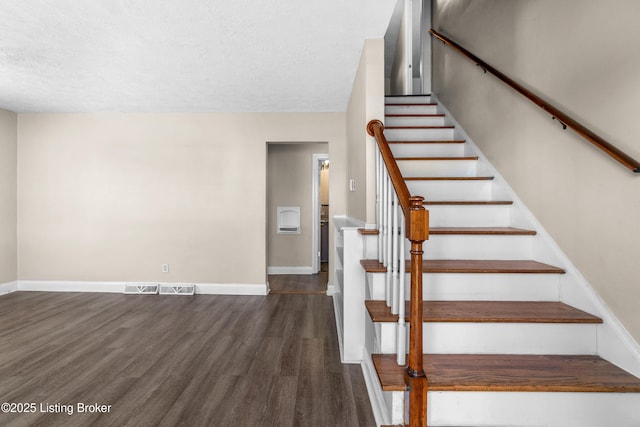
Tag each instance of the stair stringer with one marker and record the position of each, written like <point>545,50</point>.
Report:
<point>383,403</point>
<point>614,342</point>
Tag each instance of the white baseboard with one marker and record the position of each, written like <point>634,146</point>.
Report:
<point>380,411</point>
<point>338,316</point>
<point>69,286</point>
<point>118,287</point>
<point>290,270</point>
<point>8,287</point>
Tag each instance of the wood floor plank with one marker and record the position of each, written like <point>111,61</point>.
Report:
<point>299,283</point>
<point>482,372</point>
<point>488,311</point>
<point>174,360</point>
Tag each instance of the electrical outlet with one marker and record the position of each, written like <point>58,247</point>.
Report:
<point>165,268</point>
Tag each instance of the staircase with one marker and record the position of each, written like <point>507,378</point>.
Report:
<point>512,336</point>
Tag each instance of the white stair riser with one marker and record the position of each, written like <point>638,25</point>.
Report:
<point>469,215</point>
<point>411,109</point>
<point>442,246</point>
<point>450,168</point>
<point>414,121</point>
<point>496,338</point>
<point>519,409</point>
<point>427,150</point>
<point>452,190</point>
<point>476,287</point>
<point>437,134</point>
<point>476,247</point>
<point>423,99</point>
<point>370,247</point>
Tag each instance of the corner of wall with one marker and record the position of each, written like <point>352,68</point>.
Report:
<point>366,103</point>
<point>8,196</point>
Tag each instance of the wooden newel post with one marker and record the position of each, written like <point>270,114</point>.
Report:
<point>417,226</point>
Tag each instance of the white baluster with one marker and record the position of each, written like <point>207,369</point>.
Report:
<point>389,242</point>
<point>402,329</point>
<point>379,175</point>
<point>394,258</point>
<point>383,234</point>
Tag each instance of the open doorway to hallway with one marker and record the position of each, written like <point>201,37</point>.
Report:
<point>297,217</point>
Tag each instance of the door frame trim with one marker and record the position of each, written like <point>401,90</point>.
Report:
<point>315,210</point>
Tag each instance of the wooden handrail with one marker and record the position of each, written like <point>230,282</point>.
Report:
<point>375,128</point>
<point>417,231</point>
<point>566,121</point>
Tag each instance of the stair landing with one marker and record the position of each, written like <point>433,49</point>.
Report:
<point>504,372</point>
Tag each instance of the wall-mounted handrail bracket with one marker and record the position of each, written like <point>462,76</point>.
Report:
<point>564,126</point>
<point>566,121</point>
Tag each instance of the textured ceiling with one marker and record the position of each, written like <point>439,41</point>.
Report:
<point>183,55</point>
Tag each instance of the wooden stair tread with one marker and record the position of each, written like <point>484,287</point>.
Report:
<point>436,158</point>
<point>491,231</point>
<point>415,115</point>
<point>471,266</point>
<point>507,231</point>
<point>448,178</point>
<point>466,202</point>
<point>438,141</point>
<point>488,266</point>
<point>419,127</point>
<point>429,104</point>
<point>368,231</point>
<point>509,372</point>
<point>373,266</point>
<point>488,311</point>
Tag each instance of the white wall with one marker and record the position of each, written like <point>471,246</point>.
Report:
<point>400,59</point>
<point>8,200</point>
<point>582,56</point>
<point>366,103</point>
<point>289,183</point>
<point>112,196</point>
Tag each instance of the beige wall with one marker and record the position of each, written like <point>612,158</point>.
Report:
<point>366,103</point>
<point>8,201</point>
<point>581,55</point>
<point>113,196</point>
<point>289,183</point>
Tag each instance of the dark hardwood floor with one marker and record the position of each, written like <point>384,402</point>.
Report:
<point>204,360</point>
<point>299,283</point>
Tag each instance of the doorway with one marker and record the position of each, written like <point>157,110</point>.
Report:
<point>298,182</point>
